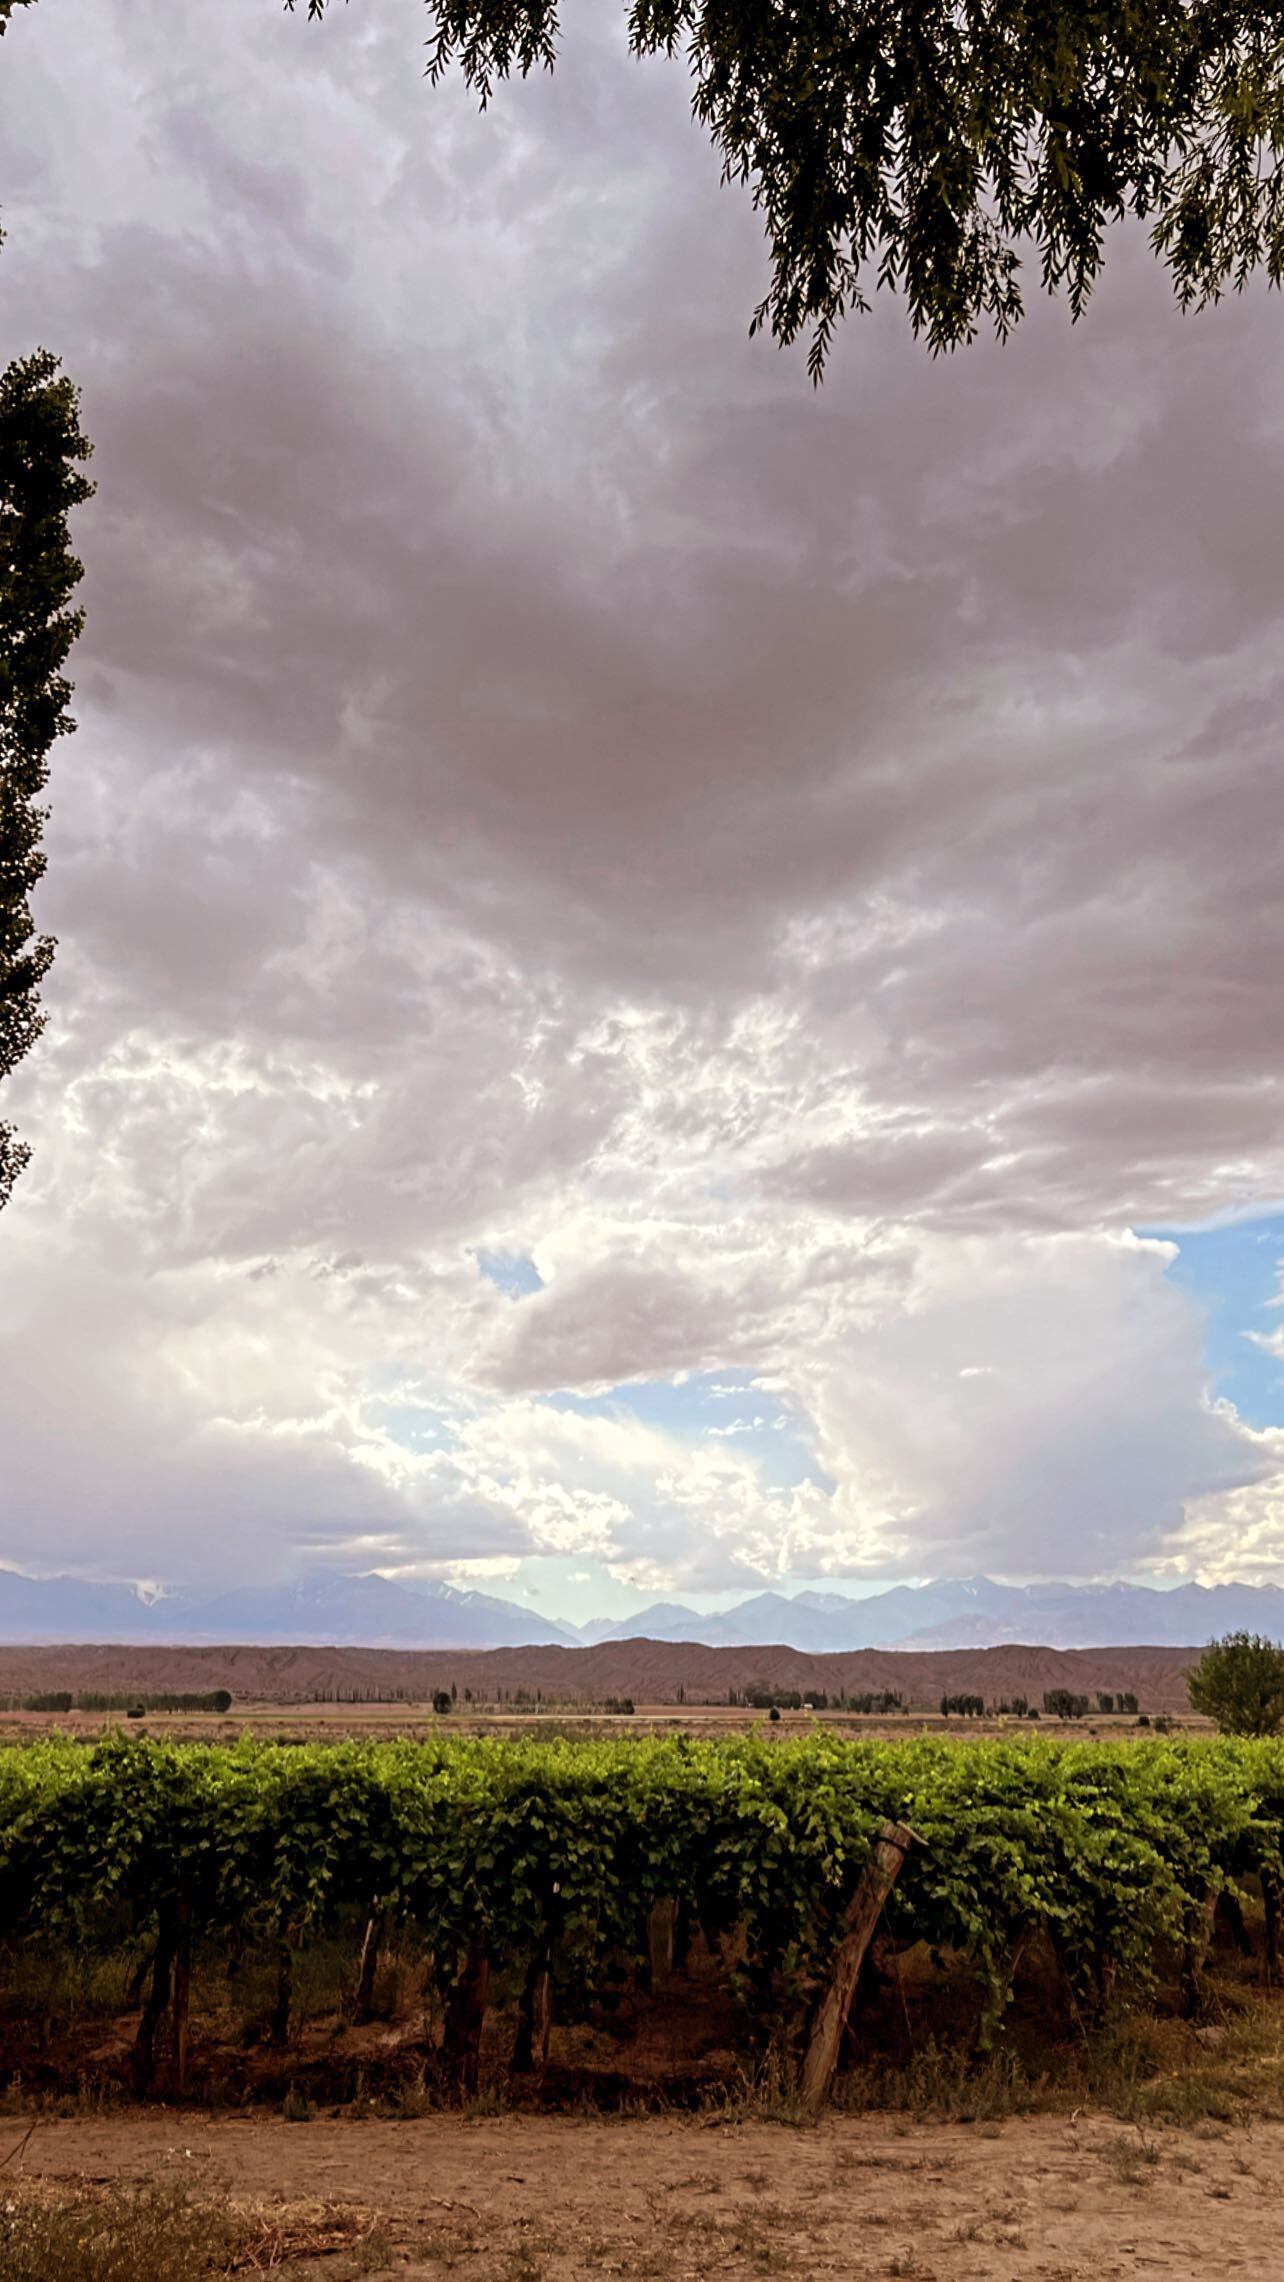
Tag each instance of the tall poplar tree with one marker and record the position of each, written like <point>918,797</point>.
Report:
<point>41,451</point>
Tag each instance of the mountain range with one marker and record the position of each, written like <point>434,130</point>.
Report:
<point>972,1612</point>
<point>373,1611</point>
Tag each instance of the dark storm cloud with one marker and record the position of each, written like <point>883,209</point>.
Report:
<point>547,778</point>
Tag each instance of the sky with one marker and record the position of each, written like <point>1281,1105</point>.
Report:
<point>668,983</point>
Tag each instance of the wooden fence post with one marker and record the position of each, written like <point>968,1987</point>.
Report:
<point>859,1920</point>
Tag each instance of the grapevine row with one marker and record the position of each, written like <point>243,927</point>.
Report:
<point>514,1858</point>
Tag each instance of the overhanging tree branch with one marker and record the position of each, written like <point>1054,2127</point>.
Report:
<point>934,146</point>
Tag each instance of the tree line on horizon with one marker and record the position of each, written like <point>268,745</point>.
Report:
<point>135,1703</point>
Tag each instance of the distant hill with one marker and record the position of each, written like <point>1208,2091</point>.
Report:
<point>326,1607</point>
<point>762,1621</point>
<point>820,1623</point>
<point>651,1672</point>
<point>1070,1616</point>
<point>369,1610</point>
<point>67,1608</point>
<point>974,1612</point>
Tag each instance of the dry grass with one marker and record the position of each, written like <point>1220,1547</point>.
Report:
<point>145,2234</point>
<point>1168,2075</point>
<point>158,2233</point>
<point>1140,2068</point>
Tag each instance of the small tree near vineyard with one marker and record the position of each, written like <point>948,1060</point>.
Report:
<point>1239,1683</point>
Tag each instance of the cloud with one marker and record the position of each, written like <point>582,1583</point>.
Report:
<point>801,872</point>
<point>1075,1444</point>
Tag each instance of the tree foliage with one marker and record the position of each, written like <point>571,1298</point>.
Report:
<point>41,448</point>
<point>1239,1683</point>
<point>931,146</point>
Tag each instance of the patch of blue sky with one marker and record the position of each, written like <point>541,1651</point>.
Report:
<point>698,1409</point>
<point>687,1404</point>
<point>1232,1269</point>
<point>395,1403</point>
<point>511,1273</point>
<point>713,1406</point>
<point>410,1425</point>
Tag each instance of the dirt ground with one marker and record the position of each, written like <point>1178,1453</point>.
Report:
<point>527,2199</point>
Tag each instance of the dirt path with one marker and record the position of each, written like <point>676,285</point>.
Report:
<point>524,2199</point>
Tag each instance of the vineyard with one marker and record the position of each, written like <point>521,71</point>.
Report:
<point>534,1883</point>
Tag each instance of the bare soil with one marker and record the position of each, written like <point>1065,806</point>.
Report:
<point>534,2199</point>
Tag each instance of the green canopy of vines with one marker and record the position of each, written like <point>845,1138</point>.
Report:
<point>1105,1847</point>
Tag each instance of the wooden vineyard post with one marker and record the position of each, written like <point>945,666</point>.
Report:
<point>1271,1892</point>
<point>534,2016</point>
<point>378,1928</point>
<point>182,1999</point>
<point>1231,1910</point>
<point>1105,1976</point>
<point>682,1922</point>
<point>860,1918</point>
<point>279,2024</point>
<point>466,2015</point>
<point>662,1926</point>
<point>1195,1948</point>
<point>535,2005</point>
<point>143,2062</point>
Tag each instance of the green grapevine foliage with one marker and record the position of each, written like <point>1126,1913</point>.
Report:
<point>1108,1849</point>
